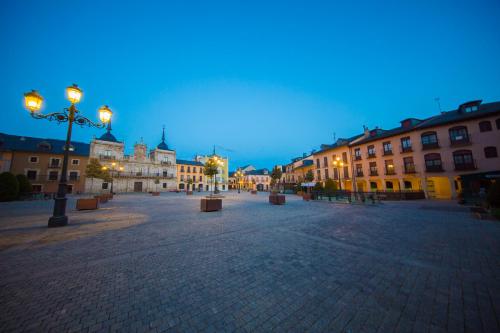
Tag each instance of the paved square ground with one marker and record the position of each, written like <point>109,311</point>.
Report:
<point>144,263</point>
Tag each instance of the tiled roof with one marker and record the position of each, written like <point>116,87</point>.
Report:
<point>449,117</point>
<point>187,162</point>
<point>305,163</point>
<point>340,143</point>
<point>259,172</point>
<point>40,145</point>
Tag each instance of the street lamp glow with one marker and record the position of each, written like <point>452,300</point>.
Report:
<point>105,114</point>
<point>104,168</point>
<point>33,101</point>
<point>73,94</point>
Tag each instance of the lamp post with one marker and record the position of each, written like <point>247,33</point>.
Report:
<point>239,175</point>
<point>112,171</point>
<point>33,103</point>
<point>338,164</point>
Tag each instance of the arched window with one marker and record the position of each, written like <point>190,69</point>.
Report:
<point>429,140</point>
<point>459,135</point>
<point>433,162</point>
<point>463,160</point>
<point>485,126</point>
<point>490,152</point>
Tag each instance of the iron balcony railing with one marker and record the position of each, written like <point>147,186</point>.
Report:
<point>359,174</point>
<point>434,168</point>
<point>466,166</point>
<point>459,141</point>
<point>373,173</point>
<point>409,169</point>
<point>390,172</point>
<point>371,155</point>
<point>405,149</point>
<point>55,165</point>
<point>427,146</point>
<point>387,152</point>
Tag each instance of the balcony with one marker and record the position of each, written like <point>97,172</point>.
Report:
<point>390,172</point>
<point>106,158</point>
<point>166,163</point>
<point>371,155</point>
<point>142,175</point>
<point>373,173</point>
<point>357,157</point>
<point>466,166</point>
<point>387,152</point>
<point>407,149</point>
<point>434,168</point>
<point>428,146</point>
<point>460,141</point>
<point>53,165</point>
<point>409,169</point>
<point>73,178</point>
<point>359,174</point>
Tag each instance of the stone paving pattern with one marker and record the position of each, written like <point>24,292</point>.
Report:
<point>158,264</point>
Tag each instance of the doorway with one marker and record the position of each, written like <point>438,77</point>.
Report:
<point>137,186</point>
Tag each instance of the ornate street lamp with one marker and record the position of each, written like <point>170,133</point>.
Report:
<point>338,164</point>
<point>33,102</point>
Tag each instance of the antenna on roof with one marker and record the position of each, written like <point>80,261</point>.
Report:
<point>437,99</point>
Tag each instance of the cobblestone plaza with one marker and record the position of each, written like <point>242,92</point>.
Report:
<point>158,264</point>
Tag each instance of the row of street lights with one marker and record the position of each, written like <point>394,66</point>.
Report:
<point>33,102</point>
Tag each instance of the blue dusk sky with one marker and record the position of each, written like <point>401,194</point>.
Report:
<point>265,80</point>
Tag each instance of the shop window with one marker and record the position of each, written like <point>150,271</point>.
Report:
<point>408,185</point>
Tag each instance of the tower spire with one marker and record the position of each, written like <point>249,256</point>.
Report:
<point>163,135</point>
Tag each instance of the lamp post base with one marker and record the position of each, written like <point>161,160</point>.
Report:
<point>58,221</point>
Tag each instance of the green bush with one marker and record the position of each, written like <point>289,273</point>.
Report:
<point>493,196</point>
<point>318,187</point>
<point>24,184</point>
<point>330,186</point>
<point>9,187</point>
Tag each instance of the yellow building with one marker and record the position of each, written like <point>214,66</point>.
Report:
<point>190,176</point>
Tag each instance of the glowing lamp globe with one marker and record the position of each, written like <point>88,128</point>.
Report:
<point>73,94</point>
<point>105,114</point>
<point>33,101</point>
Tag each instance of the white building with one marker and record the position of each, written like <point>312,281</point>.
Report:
<point>140,172</point>
<point>222,177</point>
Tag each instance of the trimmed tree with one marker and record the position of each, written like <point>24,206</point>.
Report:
<point>330,187</point>
<point>189,182</point>
<point>309,177</point>
<point>24,184</point>
<point>9,187</point>
<point>94,170</point>
<point>318,186</point>
<point>210,170</point>
<point>276,175</point>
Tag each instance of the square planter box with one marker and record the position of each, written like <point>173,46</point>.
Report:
<point>210,205</point>
<point>306,196</point>
<point>84,204</point>
<point>101,198</point>
<point>277,199</point>
<point>155,194</point>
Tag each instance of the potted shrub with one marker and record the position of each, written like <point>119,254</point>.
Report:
<point>210,169</point>
<point>157,182</point>
<point>275,198</point>
<point>189,184</point>
<point>309,177</point>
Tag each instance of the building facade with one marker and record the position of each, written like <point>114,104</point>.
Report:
<point>190,176</point>
<point>431,154</point>
<point>41,161</point>
<point>143,171</point>
<point>222,177</point>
